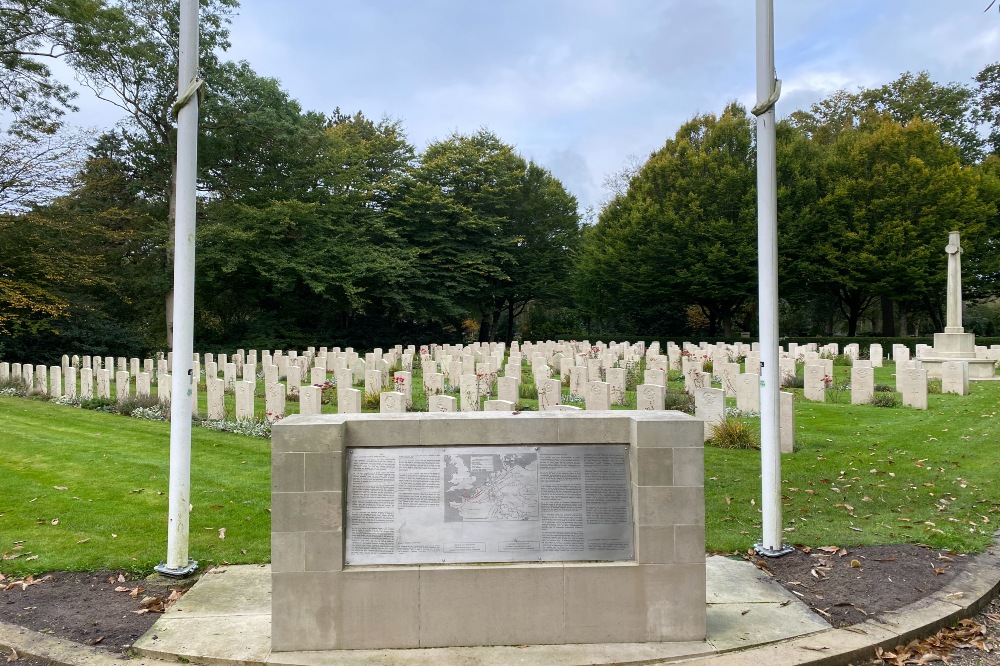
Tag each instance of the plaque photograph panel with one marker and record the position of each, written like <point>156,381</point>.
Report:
<point>421,505</point>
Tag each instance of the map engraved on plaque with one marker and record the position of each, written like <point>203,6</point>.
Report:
<point>485,504</point>
<point>494,487</point>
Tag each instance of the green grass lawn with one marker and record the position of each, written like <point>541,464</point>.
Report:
<point>859,475</point>
<point>113,510</point>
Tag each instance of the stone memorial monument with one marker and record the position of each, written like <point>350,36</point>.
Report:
<point>481,528</point>
<point>955,344</point>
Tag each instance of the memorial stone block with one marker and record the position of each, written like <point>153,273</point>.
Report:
<point>133,366</point>
<point>497,405</point>
<point>41,380</point>
<point>317,376</point>
<point>55,382</point>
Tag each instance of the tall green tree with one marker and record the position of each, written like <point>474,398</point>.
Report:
<point>685,232</point>
<point>32,35</point>
<point>890,193</point>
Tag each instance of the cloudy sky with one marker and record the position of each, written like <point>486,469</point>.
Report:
<point>580,85</point>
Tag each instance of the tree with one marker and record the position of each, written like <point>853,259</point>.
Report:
<point>128,56</point>
<point>456,212</point>
<point>32,33</point>
<point>988,103</point>
<point>911,96</point>
<point>685,232</point>
<point>890,193</point>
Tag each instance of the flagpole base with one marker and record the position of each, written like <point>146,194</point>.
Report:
<point>177,573</point>
<point>772,553</point>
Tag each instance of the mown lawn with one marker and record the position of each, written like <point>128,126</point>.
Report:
<point>859,475</point>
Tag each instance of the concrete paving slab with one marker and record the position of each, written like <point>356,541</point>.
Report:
<point>731,581</point>
<point>237,639</point>
<point>738,626</point>
<point>233,589</point>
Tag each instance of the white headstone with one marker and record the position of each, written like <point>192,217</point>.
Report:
<point>442,403</point>
<point>748,392</point>
<point>392,401</point>
<point>814,383</point>
<point>162,389</point>
<point>955,377</point>
<point>122,389</point>
<point>142,385</point>
<point>915,388</point>
<point>710,406</point>
<point>274,401</point>
<point>786,428</point>
<point>598,396</point>
<point>244,398</point>
<point>349,401</point>
<point>862,384</point>
<point>549,394</point>
<point>508,389</point>
<point>650,397</point>
<point>215,389</point>
<point>469,390</point>
<point>71,382</point>
<point>310,400</point>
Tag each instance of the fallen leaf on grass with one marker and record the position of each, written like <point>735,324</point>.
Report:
<point>54,522</point>
<point>86,539</point>
<point>32,557</point>
<point>152,603</point>
<point>134,593</point>
<point>122,589</point>
<point>61,488</point>
<point>222,533</point>
<point>829,550</point>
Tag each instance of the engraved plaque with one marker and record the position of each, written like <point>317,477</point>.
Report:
<point>409,505</point>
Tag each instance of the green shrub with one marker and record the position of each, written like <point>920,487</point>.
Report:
<point>98,404</point>
<point>794,382</point>
<point>528,391</point>
<point>883,388</point>
<point>886,399</point>
<point>934,386</point>
<point>676,399</point>
<point>371,400</point>
<point>733,433</point>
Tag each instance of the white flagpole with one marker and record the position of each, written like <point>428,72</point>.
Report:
<point>178,564</point>
<point>768,89</point>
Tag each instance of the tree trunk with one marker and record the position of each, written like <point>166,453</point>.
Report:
<point>497,312</point>
<point>902,321</point>
<point>484,328</point>
<point>510,322</point>
<point>888,317</point>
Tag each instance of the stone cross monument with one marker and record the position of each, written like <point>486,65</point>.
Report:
<point>954,344</point>
<point>954,314</point>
